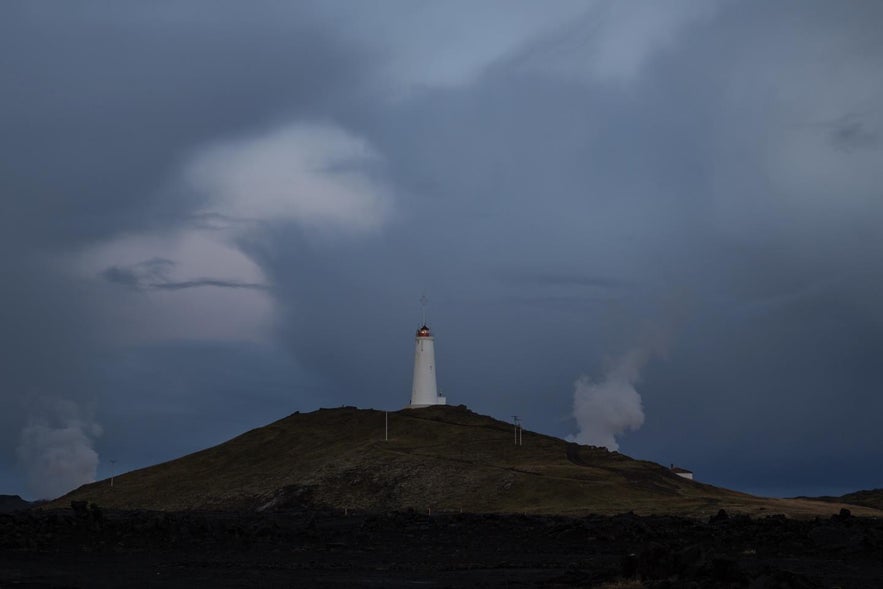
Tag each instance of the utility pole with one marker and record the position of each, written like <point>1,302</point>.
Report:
<point>112,469</point>
<point>515,423</point>
<point>386,426</point>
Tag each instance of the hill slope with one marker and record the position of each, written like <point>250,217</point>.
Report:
<point>10,503</point>
<point>868,498</point>
<point>439,458</point>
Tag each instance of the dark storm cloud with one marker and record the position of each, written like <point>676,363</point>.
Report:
<point>181,397</point>
<point>782,395</point>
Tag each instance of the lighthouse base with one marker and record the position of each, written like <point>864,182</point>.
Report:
<point>439,401</point>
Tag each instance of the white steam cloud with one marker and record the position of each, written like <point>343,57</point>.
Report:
<point>607,408</point>
<point>56,449</point>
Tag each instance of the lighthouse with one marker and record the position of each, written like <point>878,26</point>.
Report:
<point>424,391</point>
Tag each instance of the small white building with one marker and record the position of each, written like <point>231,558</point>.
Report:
<point>682,472</point>
<point>424,391</point>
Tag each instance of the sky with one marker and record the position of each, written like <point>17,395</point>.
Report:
<point>647,225</point>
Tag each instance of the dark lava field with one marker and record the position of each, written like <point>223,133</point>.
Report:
<point>88,547</point>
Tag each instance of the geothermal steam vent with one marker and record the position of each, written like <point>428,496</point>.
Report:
<point>424,391</point>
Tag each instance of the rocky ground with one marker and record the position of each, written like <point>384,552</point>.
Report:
<point>88,547</point>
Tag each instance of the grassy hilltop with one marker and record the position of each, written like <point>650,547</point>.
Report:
<point>439,458</point>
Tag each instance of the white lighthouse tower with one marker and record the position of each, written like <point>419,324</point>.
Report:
<point>424,391</point>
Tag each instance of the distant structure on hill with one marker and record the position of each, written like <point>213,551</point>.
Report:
<point>682,472</point>
<point>424,391</point>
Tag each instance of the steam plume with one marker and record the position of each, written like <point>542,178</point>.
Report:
<point>56,449</point>
<point>607,408</point>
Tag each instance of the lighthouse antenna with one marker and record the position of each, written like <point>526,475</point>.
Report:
<point>423,302</point>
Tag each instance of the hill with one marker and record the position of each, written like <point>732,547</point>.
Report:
<point>438,458</point>
<point>10,503</point>
<point>872,498</point>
